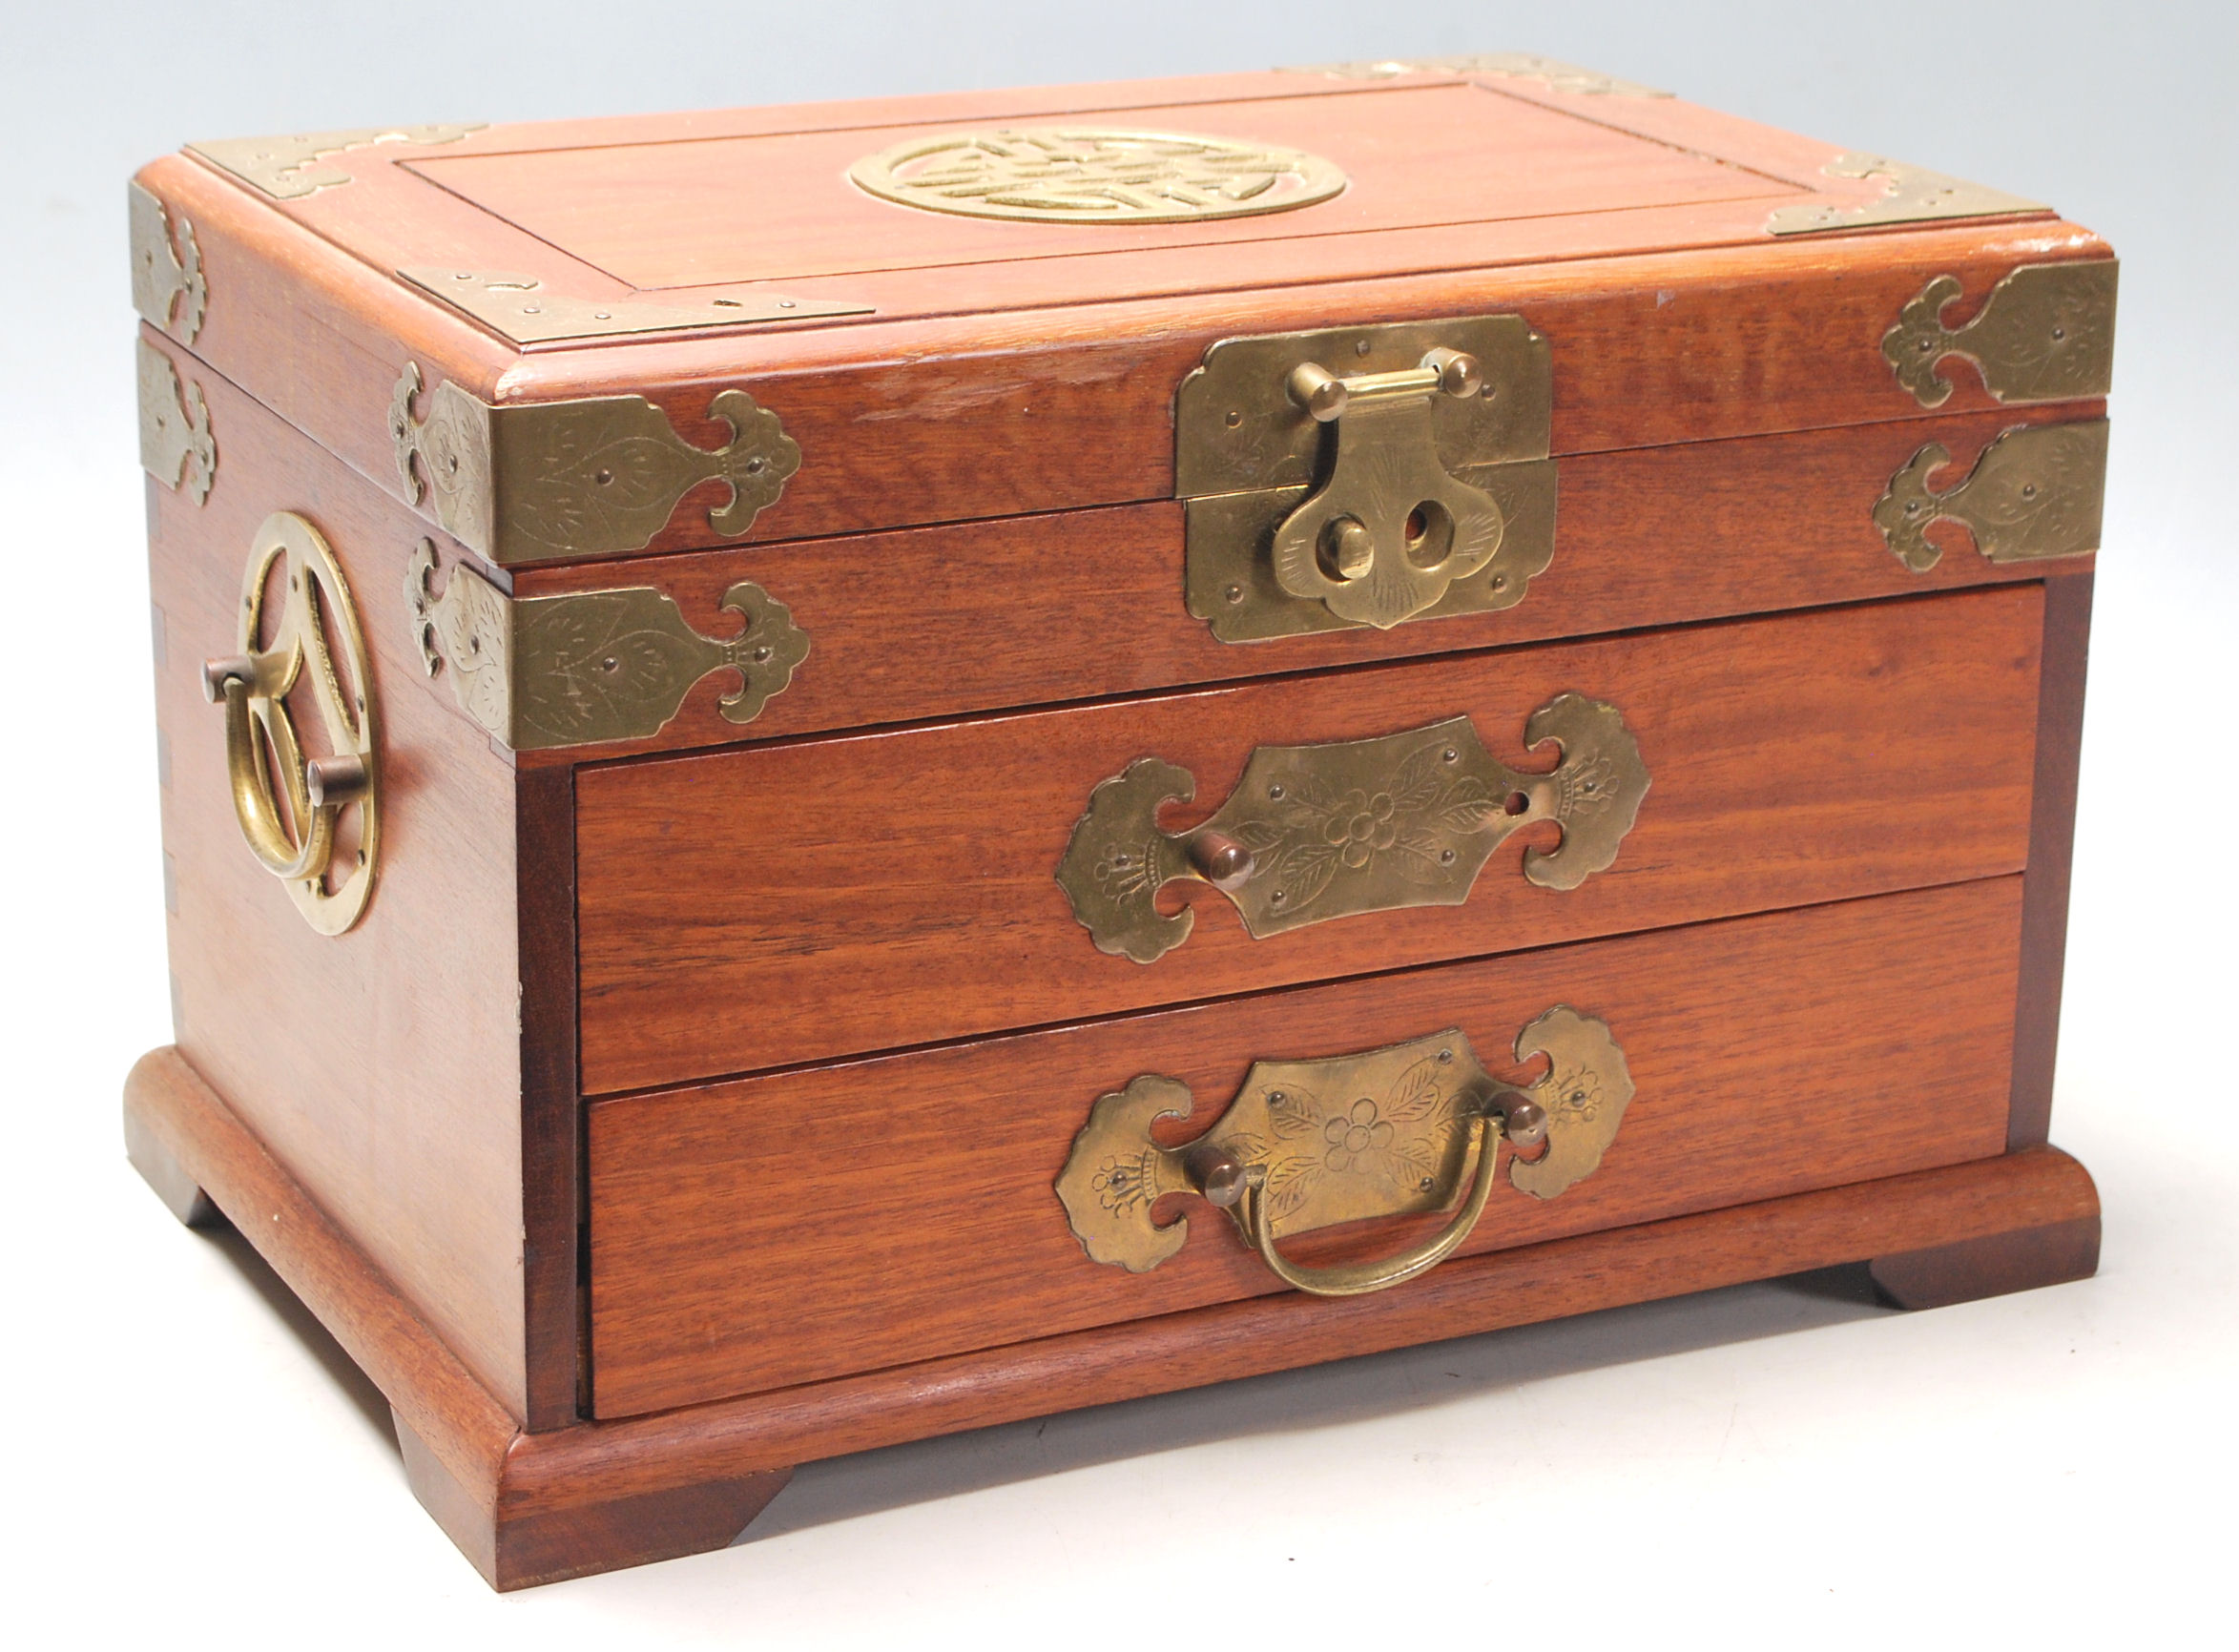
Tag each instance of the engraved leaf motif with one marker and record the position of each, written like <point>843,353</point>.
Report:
<point>1415,1095</point>
<point>599,667</point>
<point>1293,1115</point>
<point>1289,1183</point>
<point>588,490</point>
<point>1309,867</point>
<point>1418,857</point>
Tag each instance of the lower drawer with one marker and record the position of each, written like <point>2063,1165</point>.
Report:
<point>768,1232</point>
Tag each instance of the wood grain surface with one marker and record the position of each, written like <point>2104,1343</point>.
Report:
<point>383,1066</point>
<point>937,621</point>
<point>1670,322</point>
<point>797,1228</point>
<point>2052,844</point>
<point>776,905</point>
<point>572,1478</point>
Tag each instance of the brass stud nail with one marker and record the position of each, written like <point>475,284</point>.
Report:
<point>1219,859</point>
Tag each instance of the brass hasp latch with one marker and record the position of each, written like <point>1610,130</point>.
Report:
<point>1390,528</point>
<point>1365,476</point>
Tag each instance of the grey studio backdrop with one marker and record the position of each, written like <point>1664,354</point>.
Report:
<point>196,1460</point>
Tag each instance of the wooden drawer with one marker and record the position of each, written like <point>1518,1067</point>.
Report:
<point>778,1231</point>
<point>759,907</point>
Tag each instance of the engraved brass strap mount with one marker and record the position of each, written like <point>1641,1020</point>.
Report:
<point>585,667</point>
<point>1365,476</point>
<point>1320,831</point>
<point>1404,1131</point>
<point>2037,492</point>
<point>296,829</point>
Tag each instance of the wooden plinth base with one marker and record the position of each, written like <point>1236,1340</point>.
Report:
<point>533,1508</point>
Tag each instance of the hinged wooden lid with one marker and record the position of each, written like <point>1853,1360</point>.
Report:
<point>979,305</point>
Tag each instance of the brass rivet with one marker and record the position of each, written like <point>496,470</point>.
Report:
<point>1275,792</point>
<point>1235,593</point>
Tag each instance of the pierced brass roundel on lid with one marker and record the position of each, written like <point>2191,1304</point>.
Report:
<point>1051,174</point>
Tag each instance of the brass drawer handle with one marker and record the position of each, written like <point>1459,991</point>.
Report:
<point>1308,1144</point>
<point>1320,831</point>
<point>317,613</point>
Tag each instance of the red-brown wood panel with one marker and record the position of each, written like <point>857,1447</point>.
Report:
<point>804,1226</point>
<point>938,621</point>
<point>764,906</point>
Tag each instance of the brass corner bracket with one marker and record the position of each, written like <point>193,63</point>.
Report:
<point>1913,194</point>
<point>586,667</point>
<point>1313,833</point>
<point>176,447</point>
<point>286,168</point>
<point>2046,333</point>
<point>536,481</point>
<point>1559,76</point>
<point>1365,476</point>
<point>168,289</point>
<point>2035,492</point>
<point>1397,1131</point>
<point>522,310</point>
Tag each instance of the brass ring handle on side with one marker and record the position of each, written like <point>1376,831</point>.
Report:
<point>1395,1131</point>
<point>317,619</point>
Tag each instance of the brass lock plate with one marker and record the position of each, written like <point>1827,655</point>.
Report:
<point>1417,486</point>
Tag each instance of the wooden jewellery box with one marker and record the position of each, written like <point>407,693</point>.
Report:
<point>839,773</point>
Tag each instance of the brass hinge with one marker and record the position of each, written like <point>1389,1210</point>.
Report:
<point>1365,476</point>
<point>576,669</point>
<point>543,480</point>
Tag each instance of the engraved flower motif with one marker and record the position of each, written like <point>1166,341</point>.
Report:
<point>1122,870</point>
<point>1359,826</point>
<point>1121,1184</point>
<point>1355,1135</point>
<point>1575,1095</point>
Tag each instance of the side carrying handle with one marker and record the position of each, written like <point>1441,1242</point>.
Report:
<point>1308,1144</point>
<point>1320,831</point>
<point>317,616</point>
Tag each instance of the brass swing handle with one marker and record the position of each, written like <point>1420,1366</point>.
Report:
<point>1308,1144</point>
<point>1320,831</point>
<point>317,622</point>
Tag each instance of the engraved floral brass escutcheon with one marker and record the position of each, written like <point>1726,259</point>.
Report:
<point>287,168</point>
<point>2046,333</point>
<point>168,289</point>
<point>176,447</point>
<point>588,667</point>
<point>593,477</point>
<point>1313,833</point>
<point>1403,1130</point>
<point>1365,476</point>
<point>1075,175</point>
<point>296,831</point>
<point>1913,194</point>
<point>2035,493</point>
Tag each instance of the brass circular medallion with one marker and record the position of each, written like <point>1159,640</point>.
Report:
<point>1066,175</point>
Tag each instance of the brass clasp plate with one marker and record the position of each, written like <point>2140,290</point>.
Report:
<point>1365,476</point>
<point>1320,831</point>
<point>1395,1131</point>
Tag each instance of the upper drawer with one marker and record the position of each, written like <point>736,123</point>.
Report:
<point>776,904</point>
